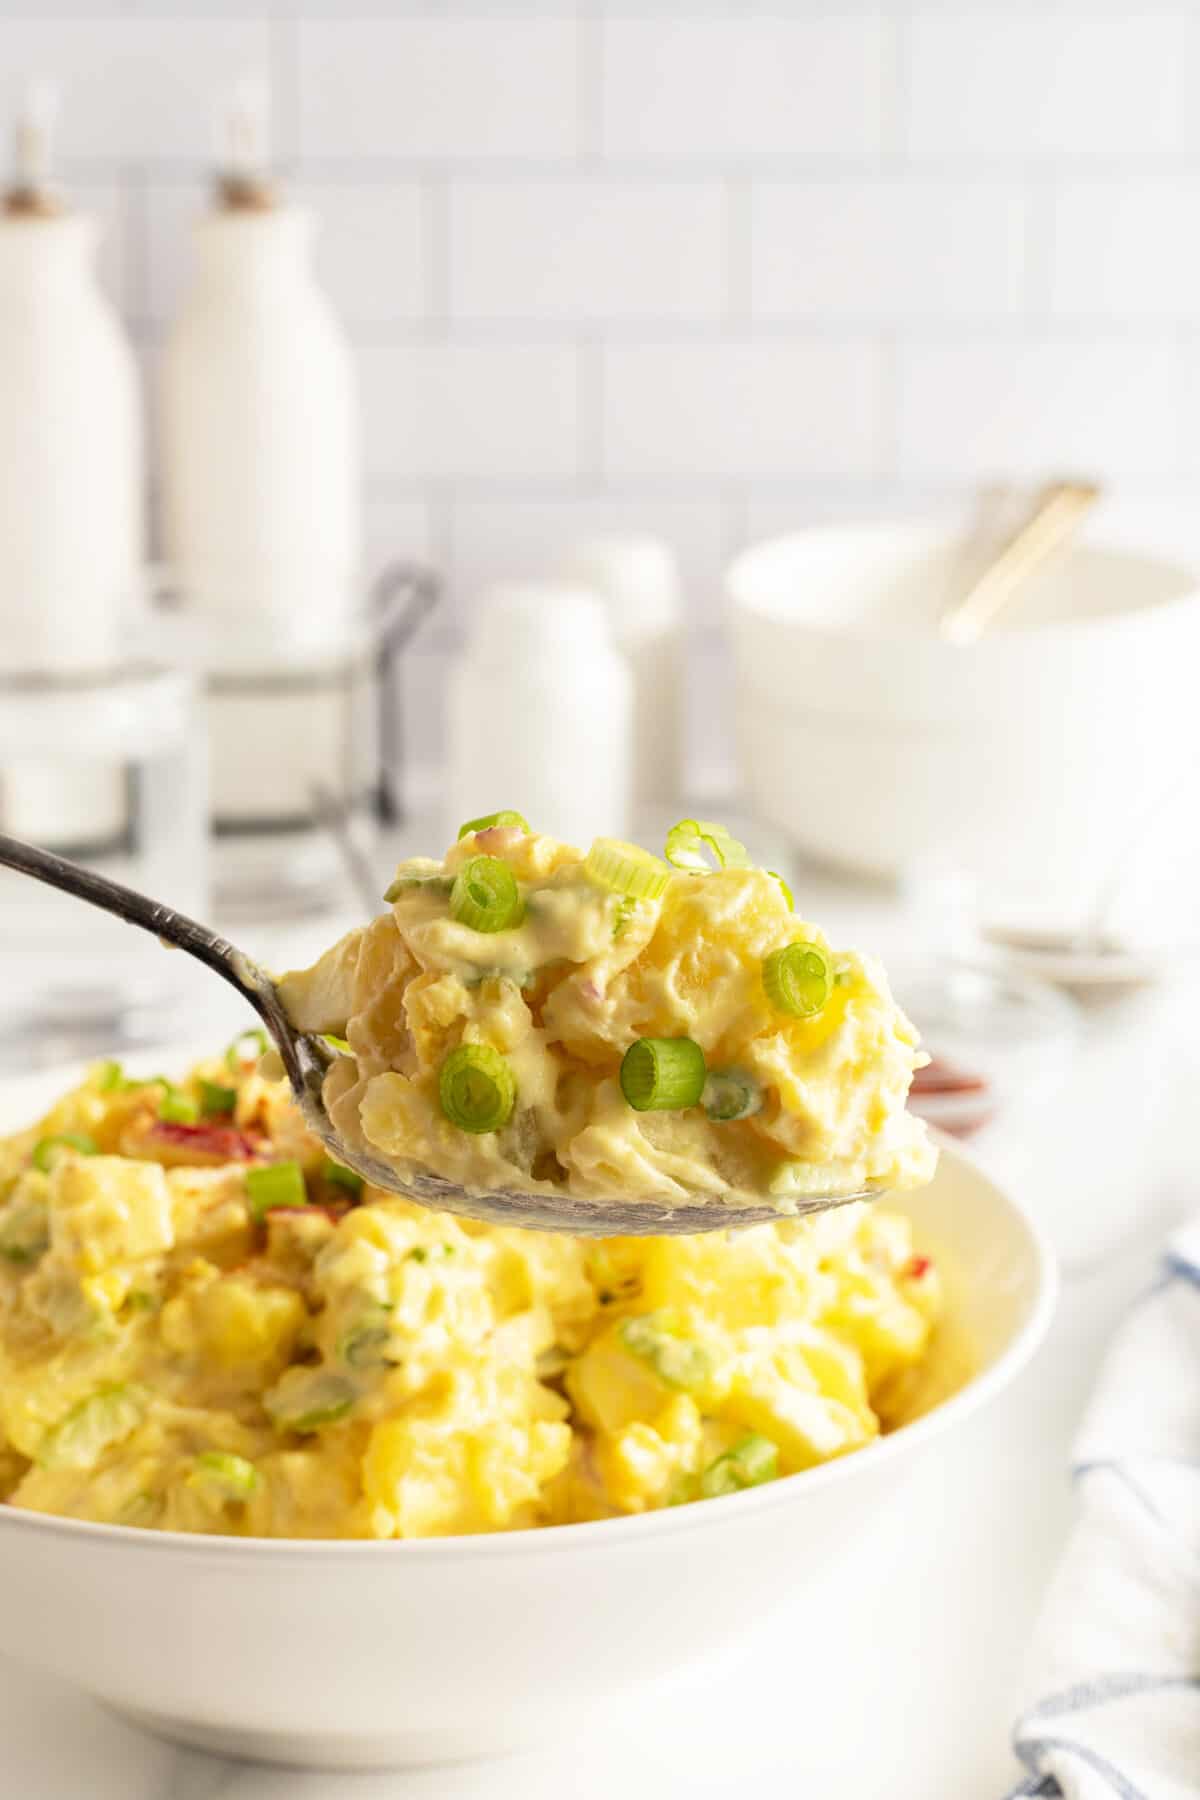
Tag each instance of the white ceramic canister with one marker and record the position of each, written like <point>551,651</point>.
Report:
<point>260,436</point>
<point>539,715</point>
<point>71,464</point>
<point>637,578</point>
<point>71,476</point>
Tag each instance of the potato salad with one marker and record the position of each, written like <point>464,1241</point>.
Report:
<point>613,1025</point>
<point>208,1326</point>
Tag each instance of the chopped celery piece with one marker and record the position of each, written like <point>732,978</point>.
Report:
<point>231,1476</point>
<point>305,1401</point>
<point>363,1345</point>
<point>24,1232</point>
<point>275,1184</point>
<point>680,1362</point>
<point>104,1418</point>
<point>176,1107</point>
<point>338,1175</point>
<point>750,1462</point>
<point>215,1100</point>
<point>45,1151</point>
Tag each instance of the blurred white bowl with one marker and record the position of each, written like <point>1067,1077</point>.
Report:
<point>1028,758</point>
<point>361,1654</point>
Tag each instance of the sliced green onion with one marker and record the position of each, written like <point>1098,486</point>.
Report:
<point>109,1077</point>
<point>787,892</point>
<point>275,1184</point>
<point>104,1418</point>
<point>626,869</point>
<point>44,1157</point>
<point>236,1057</point>
<point>339,1176</point>
<point>403,884</point>
<point>731,1094</point>
<point>489,819</point>
<point>477,1088</point>
<point>677,1361</point>
<point>175,1106</point>
<point>663,1074</point>
<point>485,896</point>
<point>431,1253</point>
<point>692,842</point>
<point>363,1345</point>
<point>798,980</point>
<point>307,1404</point>
<point>24,1232</point>
<point>341,1045</point>
<point>749,1463</point>
<point>232,1476</point>
<point>215,1099</point>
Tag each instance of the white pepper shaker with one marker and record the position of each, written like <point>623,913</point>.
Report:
<point>539,715</point>
<point>637,579</point>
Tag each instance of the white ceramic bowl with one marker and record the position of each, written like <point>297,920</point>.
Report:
<point>1027,757</point>
<point>359,1654</point>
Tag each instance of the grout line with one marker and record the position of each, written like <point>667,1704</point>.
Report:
<point>738,250</point>
<point>1041,224</point>
<point>439,274</point>
<point>887,464</point>
<point>590,378</point>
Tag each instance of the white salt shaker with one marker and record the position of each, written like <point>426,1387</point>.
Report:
<point>539,715</point>
<point>637,579</point>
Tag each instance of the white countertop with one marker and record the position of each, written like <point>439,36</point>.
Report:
<point>897,1680</point>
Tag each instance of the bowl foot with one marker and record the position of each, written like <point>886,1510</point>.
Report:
<point>335,1749</point>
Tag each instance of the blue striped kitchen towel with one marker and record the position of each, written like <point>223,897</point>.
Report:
<point>1112,1700</point>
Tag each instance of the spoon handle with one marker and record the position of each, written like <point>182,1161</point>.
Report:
<point>163,922</point>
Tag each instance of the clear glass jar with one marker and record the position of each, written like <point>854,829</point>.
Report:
<point>111,771</point>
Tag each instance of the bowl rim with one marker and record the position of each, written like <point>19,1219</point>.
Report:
<point>929,529</point>
<point>597,1535</point>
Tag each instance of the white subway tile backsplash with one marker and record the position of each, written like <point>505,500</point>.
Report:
<point>492,540</point>
<point>887,249</point>
<point>588,249</point>
<point>688,268</point>
<point>1126,248</point>
<point>132,87</point>
<point>999,80</point>
<point>736,410</point>
<point>371,247</point>
<point>746,85</point>
<point>490,86</point>
<point>1101,407</point>
<point>499,412</point>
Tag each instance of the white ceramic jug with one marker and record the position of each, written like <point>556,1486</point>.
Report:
<point>71,470</point>
<point>260,438</point>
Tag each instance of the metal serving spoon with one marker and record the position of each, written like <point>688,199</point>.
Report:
<point>306,1058</point>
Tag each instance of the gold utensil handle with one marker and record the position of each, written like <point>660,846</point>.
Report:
<point>1055,516</point>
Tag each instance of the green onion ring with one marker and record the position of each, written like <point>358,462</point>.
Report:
<point>477,1088</point>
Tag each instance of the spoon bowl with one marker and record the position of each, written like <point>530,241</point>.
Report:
<point>306,1059</point>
